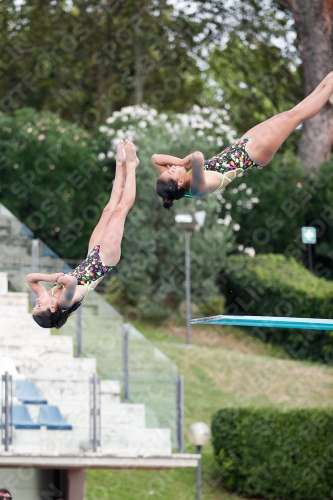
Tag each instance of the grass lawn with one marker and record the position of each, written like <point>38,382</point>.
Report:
<point>223,367</point>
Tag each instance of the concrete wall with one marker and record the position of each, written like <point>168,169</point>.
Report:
<point>33,484</point>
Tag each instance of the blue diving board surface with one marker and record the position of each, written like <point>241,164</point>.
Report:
<point>267,321</point>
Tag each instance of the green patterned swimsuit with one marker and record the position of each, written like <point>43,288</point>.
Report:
<point>233,158</point>
<point>91,270</point>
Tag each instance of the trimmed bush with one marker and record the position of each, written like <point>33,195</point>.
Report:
<point>275,455</point>
<point>212,307</point>
<point>274,285</point>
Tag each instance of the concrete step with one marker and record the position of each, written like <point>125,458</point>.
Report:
<point>13,310</point>
<point>43,441</point>
<point>111,388</point>
<point>136,442</point>
<point>20,323</point>
<point>118,442</point>
<point>35,346</point>
<point>73,400</point>
<point>14,299</point>
<point>77,391</point>
<point>54,368</point>
<point>124,415</point>
<point>77,413</point>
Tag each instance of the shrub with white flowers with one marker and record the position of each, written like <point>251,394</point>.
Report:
<point>135,122</point>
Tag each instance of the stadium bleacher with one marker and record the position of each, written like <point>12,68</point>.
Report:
<point>53,389</point>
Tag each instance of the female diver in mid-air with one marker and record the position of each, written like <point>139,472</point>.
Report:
<point>53,307</point>
<point>193,176</point>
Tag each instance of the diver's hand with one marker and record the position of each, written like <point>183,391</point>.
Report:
<point>55,277</point>
<point>186,162</point>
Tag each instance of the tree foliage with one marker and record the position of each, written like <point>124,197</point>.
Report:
<point>257,81</point>
<point>86,58</point>
<point>51,178</point>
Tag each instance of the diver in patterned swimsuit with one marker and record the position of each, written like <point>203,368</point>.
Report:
<point>192,176</point>
<point>53,307</point>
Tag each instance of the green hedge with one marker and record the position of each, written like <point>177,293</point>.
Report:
<point>274,285</point>
<point>275,455</point>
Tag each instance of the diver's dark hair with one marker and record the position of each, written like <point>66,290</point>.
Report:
<point>3,490</point>
<point>48,319</point>
<point>169,191</point>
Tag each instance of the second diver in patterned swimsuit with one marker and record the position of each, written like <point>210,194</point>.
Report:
<point>53,307</point>
<point>193,176</point>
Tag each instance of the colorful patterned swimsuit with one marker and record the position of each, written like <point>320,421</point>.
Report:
<point>233,158</point>
<point>91,270</point>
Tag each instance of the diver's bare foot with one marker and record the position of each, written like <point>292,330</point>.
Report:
<point>132,160</point>
<point>121,155</point>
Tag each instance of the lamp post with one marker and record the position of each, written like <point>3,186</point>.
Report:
<point>199,435</point>
<point>309,238</point>
<point>188,220</point>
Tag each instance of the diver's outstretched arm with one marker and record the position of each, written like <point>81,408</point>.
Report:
<point>161,162</point>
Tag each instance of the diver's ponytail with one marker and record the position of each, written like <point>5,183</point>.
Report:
<point>169,191</point>
<point>167,204</point>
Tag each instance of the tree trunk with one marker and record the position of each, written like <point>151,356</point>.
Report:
<point>313,20</point>
<point>139,80</point>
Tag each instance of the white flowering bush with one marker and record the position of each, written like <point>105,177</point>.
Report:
<point>135,122</point>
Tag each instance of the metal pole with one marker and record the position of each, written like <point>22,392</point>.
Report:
<point>34,256</point>
<point>180,413</point>
<point>126,362</point>
<point>95,412</point>
<point>34,264</point>
<point>79,332</point>
<point>6,413</point>
<point>198,451</point>
<point>7,409</point>
<point>310,257</point>
<point>188,286</point>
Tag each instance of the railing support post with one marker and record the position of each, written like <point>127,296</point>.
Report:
<point>34,264</point>
<point>188,285</point>
<point>180,413</point>
<point>79,332</point>
<point>6,410</point>
<point>95,411</point>
<point>126,362</point>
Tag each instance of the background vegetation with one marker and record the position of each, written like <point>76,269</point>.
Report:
<point>78,75</point>
<point>298,439</point>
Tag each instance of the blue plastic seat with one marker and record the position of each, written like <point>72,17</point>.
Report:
<point>22,419</point>
<point>26,391</point>
<point>51,417</point>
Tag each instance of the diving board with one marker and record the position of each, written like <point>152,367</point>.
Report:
<point>267,321</point>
